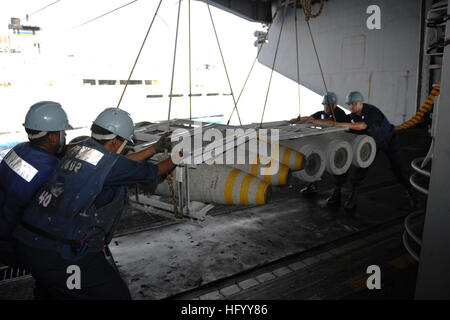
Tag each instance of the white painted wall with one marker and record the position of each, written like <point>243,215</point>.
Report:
<point>382,64</point>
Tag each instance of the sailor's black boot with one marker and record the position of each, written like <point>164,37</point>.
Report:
<point>335,199</point>
<point>309,190</point>
<point>350,204</point>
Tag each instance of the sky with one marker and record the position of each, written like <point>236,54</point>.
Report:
<point>107,48</point>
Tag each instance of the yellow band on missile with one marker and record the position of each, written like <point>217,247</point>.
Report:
<point>286,156</point>
<point>254,169</point>
<point>267,179</point>
<point>283,173</point>
<point>229,185</point>
<point>298,161</point>
<point>261,192</point>
<point>245,187</point>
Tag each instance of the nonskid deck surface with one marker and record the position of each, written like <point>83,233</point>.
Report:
<point>160,257</point>
<point>162,262</point>
<point>336,270</point>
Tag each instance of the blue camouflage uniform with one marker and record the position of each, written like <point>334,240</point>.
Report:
<point>23,171</point>
<point>73,217</point>
<point>338,113</point>
<point>379,128</point>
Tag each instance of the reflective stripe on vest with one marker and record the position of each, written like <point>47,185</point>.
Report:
<point>64,207</point>
<point>20,166</point>
<point>89,155</point>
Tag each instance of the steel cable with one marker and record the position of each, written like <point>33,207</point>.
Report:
<point>140,50</point>
<point>223,61</point>
<point>254,61</point>
<point>173,65</point>
<point>274,61</point>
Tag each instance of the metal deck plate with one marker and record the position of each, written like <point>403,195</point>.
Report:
<point>162,262</point>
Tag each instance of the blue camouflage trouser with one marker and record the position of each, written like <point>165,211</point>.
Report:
<point>99,280</point>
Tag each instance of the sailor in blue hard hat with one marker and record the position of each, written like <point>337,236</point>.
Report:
<point>368,119</point>
<point>26,168</point>
<point>46,121</point>
<point>330,111</point>
<point>73,217</point>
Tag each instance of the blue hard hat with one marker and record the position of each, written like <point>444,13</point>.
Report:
<point>116,121</point>
<point>354,96</point>
<point>47,116</point>
<point>330,98</point>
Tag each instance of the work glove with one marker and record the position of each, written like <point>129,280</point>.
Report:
<point>163,144</point>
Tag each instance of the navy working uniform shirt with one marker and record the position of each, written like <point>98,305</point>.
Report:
<point>338,113</point>
<point>378,127</point>
<point>124,172</point>
<point>22,172</point>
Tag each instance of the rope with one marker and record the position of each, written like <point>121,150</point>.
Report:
<point>173,65</point>
<point>223,61</point>
<point>100,16</point>
<point>274,60</point>
<point>298,62</point>
<point>169,179</point>
<point>307,9</point>
<point>49,5</point>
<point>254,61</point>
<point>320,65</point>
<point>140,50</point>
<point>190,65</point>
<point>422,111</point>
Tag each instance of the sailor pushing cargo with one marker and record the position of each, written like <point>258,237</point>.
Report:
<point>27,167</point>
<point>73,216</point>
<point>368,120</point>
<point>331,112</point>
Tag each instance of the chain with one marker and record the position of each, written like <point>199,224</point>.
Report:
<point>307,8</point>
<point>176,212</point>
